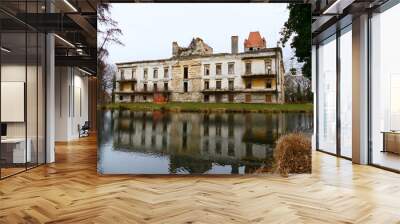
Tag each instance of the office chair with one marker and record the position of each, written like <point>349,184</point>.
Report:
<point>84,130</point>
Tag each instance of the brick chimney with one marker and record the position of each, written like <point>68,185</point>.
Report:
<point>234,44</point>
<point>175,49</point>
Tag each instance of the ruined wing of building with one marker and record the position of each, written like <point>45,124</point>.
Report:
<point>197,74</point>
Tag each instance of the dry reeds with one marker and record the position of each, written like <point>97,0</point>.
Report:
<point>293,154</point>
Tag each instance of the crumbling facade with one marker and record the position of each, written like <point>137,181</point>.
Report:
<point>196,47</point>
<point>196,74</point>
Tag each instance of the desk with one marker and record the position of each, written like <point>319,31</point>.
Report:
<point>15,148</point>
<point>391,141</point>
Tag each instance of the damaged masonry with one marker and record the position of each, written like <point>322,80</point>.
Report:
<point>197,74</point>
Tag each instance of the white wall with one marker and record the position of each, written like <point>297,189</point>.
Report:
<point>16,73</point>
<point>80,111</point>
<point>61,103</point>
<point>11,73</point>
<point>33,126</point>
<point>71,102</point>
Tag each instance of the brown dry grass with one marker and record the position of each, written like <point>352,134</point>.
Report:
<point>293,154</point>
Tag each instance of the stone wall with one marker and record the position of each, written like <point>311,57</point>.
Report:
<point>194,82</point>
<point>196,77</point>
<point>196,47</point>
<point>241,98</point>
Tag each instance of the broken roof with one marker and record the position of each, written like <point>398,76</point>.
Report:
<point>242,54</point>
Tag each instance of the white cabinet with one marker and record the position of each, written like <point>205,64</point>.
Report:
<point>17,145</point>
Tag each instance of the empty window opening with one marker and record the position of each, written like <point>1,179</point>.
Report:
<point>268,84</point>
<point>218,84</point>
<point>230,85</point>
<point>231,68</point>
<point>185,72</point>
<point>206,84</point>
<point>248,67</point>
<point>206,98</point>
<point>155,74</point>
<point>206,70</point>
<point>248,84</point>
<point>165,72</point>
<point>218,68</point>
<point>166,86</point>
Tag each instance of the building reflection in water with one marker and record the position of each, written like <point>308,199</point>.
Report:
<point>201,143</point>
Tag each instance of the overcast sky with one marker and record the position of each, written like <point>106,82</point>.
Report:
<point>149,29</point>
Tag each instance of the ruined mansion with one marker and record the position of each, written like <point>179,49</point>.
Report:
<point>196,74</point>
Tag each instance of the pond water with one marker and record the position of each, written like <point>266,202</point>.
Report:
<point>132,142</point>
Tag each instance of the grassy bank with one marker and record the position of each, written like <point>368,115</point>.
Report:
<point>212,107</point>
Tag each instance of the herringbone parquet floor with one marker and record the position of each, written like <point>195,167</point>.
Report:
<point>70,191</point>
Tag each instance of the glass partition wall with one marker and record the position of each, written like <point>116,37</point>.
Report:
<point>385,89</point>
<point>346,95</point>
<point>334,94</point>
<point>22,77</point>
<point>327,95</point>
<point>334,87</point>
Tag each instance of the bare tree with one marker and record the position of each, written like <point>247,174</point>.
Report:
<point>108,33</point>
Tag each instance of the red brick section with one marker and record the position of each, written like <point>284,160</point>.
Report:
<point>255,40</point>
